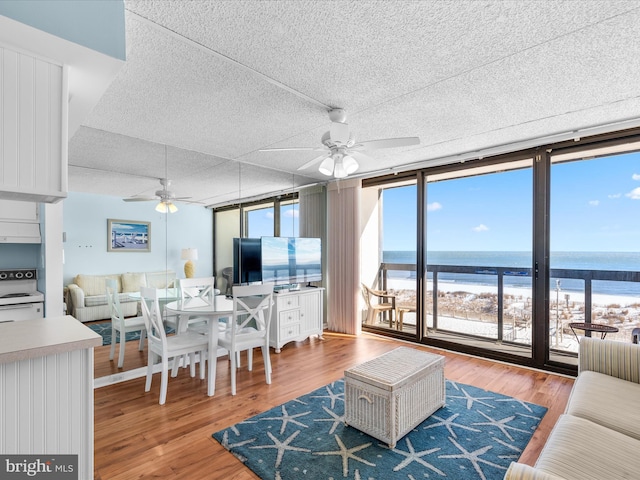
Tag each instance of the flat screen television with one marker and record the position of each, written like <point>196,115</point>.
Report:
<point>247,263</point>
<point>291,260</point>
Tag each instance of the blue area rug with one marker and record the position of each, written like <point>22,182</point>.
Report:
<point>104,330</point>
<point>476,435</point>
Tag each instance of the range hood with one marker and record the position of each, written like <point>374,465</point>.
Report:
<point>20,232</point>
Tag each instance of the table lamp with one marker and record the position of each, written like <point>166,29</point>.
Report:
<point>189,254</point>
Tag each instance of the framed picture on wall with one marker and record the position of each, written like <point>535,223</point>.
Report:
<point>128,236</point>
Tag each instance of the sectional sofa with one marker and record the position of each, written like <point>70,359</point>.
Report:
<point>86,297</point>
<point>598,436</point>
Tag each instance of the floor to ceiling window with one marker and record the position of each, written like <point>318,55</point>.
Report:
<point>594,239</point>
<point>394,248</point>
<point>265,218</point>
<point>513,257</point>
<point>479,254</point>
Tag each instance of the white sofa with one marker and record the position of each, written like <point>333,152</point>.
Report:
<point>86,297</point>
<point>598,436</point>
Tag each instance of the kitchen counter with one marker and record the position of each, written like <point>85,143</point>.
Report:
<point>46,389</point>
<point>41,337</point>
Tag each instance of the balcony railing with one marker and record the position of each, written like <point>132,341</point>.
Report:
<point>398,277</point>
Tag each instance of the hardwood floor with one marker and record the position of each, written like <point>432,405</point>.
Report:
<point>135,437</point>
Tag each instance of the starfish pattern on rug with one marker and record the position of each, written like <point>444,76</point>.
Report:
<point>473,457</point>
<point>286,419</point>
<point>500,424</point>
<point>335,419</point>
<point>412,456</point>
<point>348,453</point>
<point>332,396</point>
<point>474,436</point>
<point>471,399</point>
<point>449,423</point>
<point>282,446</point>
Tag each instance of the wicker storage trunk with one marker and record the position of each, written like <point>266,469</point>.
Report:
<point>388,396</point>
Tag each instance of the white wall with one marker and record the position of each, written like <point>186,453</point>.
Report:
<point>85,228</point>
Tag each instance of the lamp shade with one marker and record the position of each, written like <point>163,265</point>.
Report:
<point>326,167</point>
<point>166,206</point>
<point>189,254</point>
<point>350,164</point>
<point>339,170</point>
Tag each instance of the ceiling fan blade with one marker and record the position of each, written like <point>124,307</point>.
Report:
<point>360,156</point>
<point>339,133</point>
<point>181,198</point>
<point>290,149</point>
<point>388,143</point>
<point>140,199</point>
<point>314,161</point>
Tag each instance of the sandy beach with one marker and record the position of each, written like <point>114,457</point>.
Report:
<point>472,308</point>
<point>578,297</point>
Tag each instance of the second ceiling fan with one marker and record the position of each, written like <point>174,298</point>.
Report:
<point>340,150</point>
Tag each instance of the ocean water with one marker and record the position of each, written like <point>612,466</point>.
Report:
<point>616,261</point>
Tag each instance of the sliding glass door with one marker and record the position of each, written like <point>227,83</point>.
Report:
<point>479,256</point>
<point>514,257</point>
<point>594,239</point>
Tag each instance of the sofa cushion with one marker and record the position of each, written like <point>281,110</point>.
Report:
<point>608,401</point>
<point>582,450</point>
<point>95,300</point>
<point>131,282</point>
<point>161,279</point>
<point>95,284</point>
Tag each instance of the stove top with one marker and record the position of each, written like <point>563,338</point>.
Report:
<point>19,286</point>
<point>22,274</point>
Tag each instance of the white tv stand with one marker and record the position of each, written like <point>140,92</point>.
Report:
<point>296,315</point>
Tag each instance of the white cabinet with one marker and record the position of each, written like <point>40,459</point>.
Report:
<point>33,128</point>
<point>17,211</point>
<point>296,316</point>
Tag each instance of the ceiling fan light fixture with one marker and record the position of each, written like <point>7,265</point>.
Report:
<point>339,171</point>
<point>166,206</point>
<point>326,167</point>
<point>350,164</point>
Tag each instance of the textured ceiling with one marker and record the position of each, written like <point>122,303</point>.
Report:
<point>215,81</point>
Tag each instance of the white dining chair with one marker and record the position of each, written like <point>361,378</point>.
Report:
<point>120,326</point>
<point>202,288</point>
<point>163,347</point>
<point>249,327</point>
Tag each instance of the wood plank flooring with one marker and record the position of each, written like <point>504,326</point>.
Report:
<point>137,438</point>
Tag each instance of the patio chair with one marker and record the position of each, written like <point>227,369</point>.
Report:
<point>385,303</point>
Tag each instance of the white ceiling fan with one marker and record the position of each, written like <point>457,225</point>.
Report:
<point>165,198</point>
<point>340,147</point>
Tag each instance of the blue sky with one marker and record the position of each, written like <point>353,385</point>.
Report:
<point>261,222</point>
<point>595,206</point>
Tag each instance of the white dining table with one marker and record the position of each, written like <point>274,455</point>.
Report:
<point>214,308</point>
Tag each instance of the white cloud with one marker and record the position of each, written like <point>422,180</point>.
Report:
<point>291,213</point>
<point>480,228</point>
<point>635,176</point>
<point>594,203</point>
<point>269,215</point>
<point>432,207</point>
<point>615,195</point>
<point>634,194</point>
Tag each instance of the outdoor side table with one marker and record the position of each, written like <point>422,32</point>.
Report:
<point>592,327</point>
